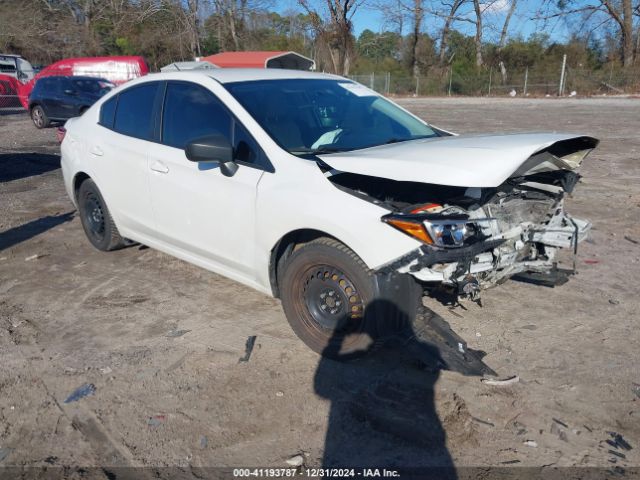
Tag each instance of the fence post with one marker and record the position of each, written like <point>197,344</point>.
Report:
<point>450,78</point>
<point>526,80</point>
<point>490,75</point>
<point>564,66</point>
<point>387,81</point>
<point>371,81</point>
<point>417,86</point>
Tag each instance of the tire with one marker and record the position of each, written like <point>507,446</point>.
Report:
<point>325,289</point>
<point>96,220</point>
<point>39,117</point>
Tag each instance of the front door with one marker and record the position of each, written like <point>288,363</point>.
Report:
<point>197,209</point>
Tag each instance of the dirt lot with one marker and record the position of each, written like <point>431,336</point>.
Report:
<point>160,340</point>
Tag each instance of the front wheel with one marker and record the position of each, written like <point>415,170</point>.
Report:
<point>96,220</point>
<point>326,290</point>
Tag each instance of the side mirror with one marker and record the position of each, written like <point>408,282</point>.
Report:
<point>213,148</point>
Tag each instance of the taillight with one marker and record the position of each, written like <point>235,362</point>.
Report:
<point>60,133</point>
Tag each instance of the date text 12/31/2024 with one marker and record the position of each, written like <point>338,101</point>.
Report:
<point>315,472</point>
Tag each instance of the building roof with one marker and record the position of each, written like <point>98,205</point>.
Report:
<point>263,59</point>
<point>180,66</point>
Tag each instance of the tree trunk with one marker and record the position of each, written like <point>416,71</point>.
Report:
<point>444,38</point>
<point>503,40</point>
<point>627,33</point>
<point>478,37</point>
<point>192,21</point>
<point>418,14</point>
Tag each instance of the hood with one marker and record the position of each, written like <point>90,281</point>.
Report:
<point>466,160</point>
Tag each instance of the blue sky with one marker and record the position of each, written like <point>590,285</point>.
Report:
<point>521,24</point>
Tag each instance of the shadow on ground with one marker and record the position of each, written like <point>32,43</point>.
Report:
<point>14,166</point>
<point>391,394</point>
<point>19,234</point>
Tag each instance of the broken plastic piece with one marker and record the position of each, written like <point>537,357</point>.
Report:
<point>560,422</point>
<point>620,442</point>
<point>176,333</point>
<point>617,454</point>
<point>248,348</point>
<point>81,392</point>
<point>5,452</point>
<point>554,278</point>
<point>501,382</point>
<point>156,421</point>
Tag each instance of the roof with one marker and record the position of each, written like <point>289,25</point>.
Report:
<point>261,59</point>
<point>229,75</point>
<point>180,66</point>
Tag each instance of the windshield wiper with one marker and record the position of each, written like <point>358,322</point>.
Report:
<point>318,151</point>
<point>398,140</point>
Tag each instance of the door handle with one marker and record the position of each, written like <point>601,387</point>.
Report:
<point>97,151</point>
<point>159,167</point>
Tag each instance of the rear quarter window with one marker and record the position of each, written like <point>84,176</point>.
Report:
<point>108,112</point>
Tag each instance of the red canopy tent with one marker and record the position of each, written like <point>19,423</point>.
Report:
<point>291,60</point>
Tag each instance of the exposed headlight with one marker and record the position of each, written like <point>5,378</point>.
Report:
<point>446,233</point>
<point>449,233</point>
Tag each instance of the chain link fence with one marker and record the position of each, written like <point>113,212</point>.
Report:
<point>522,82</point>
<point>9,93</point>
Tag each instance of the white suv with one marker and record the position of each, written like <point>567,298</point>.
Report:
<point>314,189</point>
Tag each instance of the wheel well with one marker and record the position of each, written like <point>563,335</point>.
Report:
<point>283,249</point>
<point>77,181</point>
<point>31,106</point>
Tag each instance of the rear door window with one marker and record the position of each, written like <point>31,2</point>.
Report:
<point>134,115</point>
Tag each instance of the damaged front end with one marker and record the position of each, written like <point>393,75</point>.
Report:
<point>478,237</point>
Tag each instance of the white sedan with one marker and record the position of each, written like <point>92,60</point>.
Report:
<point>318,191</point>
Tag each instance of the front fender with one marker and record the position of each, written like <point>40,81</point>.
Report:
<point>284,206</point>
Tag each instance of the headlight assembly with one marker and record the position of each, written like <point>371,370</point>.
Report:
<point>440,232</point>
<point>450,233</point>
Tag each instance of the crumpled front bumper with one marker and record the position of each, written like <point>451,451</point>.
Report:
<point>494,260</point>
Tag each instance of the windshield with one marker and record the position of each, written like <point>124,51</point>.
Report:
<point>324,116</point>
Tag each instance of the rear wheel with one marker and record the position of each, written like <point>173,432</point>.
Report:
<point>325,289</point>
<point>39,117</point>
<point>96,220</point>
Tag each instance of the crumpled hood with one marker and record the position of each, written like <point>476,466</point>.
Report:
<point>463,161</point>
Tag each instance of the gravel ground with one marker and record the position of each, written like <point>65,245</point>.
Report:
<point>160,340</point>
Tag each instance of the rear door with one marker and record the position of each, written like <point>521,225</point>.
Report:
<point>52,96</point>
<point>197,209</point>
<point>69,99</point>
<point>120,151</point>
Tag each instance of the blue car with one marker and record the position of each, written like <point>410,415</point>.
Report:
<point>60,98</point>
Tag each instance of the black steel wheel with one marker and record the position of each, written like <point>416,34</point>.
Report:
<point>325,289</point>
<point>96,220</point>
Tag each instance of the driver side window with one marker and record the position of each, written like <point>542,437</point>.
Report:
<point>191,111</point>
